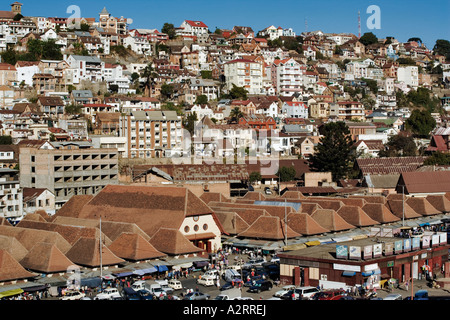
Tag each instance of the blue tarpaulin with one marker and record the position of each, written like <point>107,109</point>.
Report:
<point>348,273</point>
<point>93,282</point>
<point>162,268</point>
<point>145,271</point>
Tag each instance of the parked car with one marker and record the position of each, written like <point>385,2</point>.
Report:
<point>196,296</point>
<point>306,292</point>
<point>267,190</point>
<point>108,294</point>
<point>72,295</point>
<point>393,296</point>
<point>261,285</point>
<point>206,281</point>
<point>284,290</point>
<point>335,294</point>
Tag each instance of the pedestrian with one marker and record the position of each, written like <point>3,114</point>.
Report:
<point>407,285</point>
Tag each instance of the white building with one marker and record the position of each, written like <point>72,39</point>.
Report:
<point>292,109</point>
<point>86,67</point>
<point>244,73</point>
<point>139,45</point>
<point>408,75</point>
<point>192,28</point>
<point>287,76</point>
<point>26,70</point>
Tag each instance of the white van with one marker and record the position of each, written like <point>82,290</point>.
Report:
<point>206,280</point>
<point>175,284</point>
<point>305,292</point>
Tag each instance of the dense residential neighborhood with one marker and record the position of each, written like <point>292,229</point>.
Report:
<point>169,152</point>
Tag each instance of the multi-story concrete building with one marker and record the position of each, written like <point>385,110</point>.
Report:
<point>244,73</point>
<point>287,76</point>
<point>409,75</point>
<point>67,168</point>
<point>351,110</point>
<point>11,206</point>
<point>151,134</point>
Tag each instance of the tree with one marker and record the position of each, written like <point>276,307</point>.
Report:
<point>255,177</point>
<point>335,151</point>
<point>166,91</point>
<point>73,109</point>
<point>168,29</point>
<point>236,114</point>
<point>238,93</point>
<point>6,140</point>
<point>442,47</point>
<point>150,75</point>
<point>438,158</point>
<point>368,38</point>
<point>399,146</point>
<point>421,123</point>
<point>189,122</point>
<point>201,99</point>
<point>415,39</point>
<point>286,174</point>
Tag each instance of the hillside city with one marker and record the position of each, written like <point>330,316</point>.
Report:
<point>184,143</point>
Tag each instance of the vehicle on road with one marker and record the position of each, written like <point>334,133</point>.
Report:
<point>175,284</point>
<point>72,295</point>
<point>196,295</point>
<point>157,291</point>
<point>207,281</point>
<point>131,294</point>
<point>164,284</point>
<point>108,294</point>
<point>267,190</point>
<point>261,285</point>
<point>284,290</point>
<point>139,285</point>
<point>335,294</point>
<point>230,294</point>
<point>231,274</point>
<point>393,296</point>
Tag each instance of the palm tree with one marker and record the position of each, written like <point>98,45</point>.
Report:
<point>236,114</point>
<point>150,75</point>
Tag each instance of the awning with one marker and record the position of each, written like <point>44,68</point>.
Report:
<point>162,268</point>
<point>141,272</point>
<point>10,293</point>
<point>367,274</point>
<point>312,243</point>
<point>123,274</point>
<point>200,264</point>
<point>92,282</point>
<point>348,273</point>
<point>182,266</point>
<point>35,288</point>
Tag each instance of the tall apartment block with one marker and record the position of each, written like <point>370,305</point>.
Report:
<point>68,169</point>
<point>151,134</point>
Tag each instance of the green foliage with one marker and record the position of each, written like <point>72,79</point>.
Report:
<point>189,122</point>
<point>206,74</point>
<point>442,47</point>
<point>237,93</point>
<point>406,62</point>
<point>286,174</point>
<point>120,50</point>
<point>6,140</point>
<point>167,91</point>
<point>399,146</point>
<point>368,38</point>
<point>421,123</point>
<point>73,109</point>
<point>201,99</point>
<point>438,159</point>
<point>371,84</point>
<point>36,50</point>
<point>335,151</point>
<point>168,29</point>
<point>255,176</point>
<point>236,114</point>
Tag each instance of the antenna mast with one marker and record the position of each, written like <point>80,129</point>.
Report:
<point>359,25</point>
